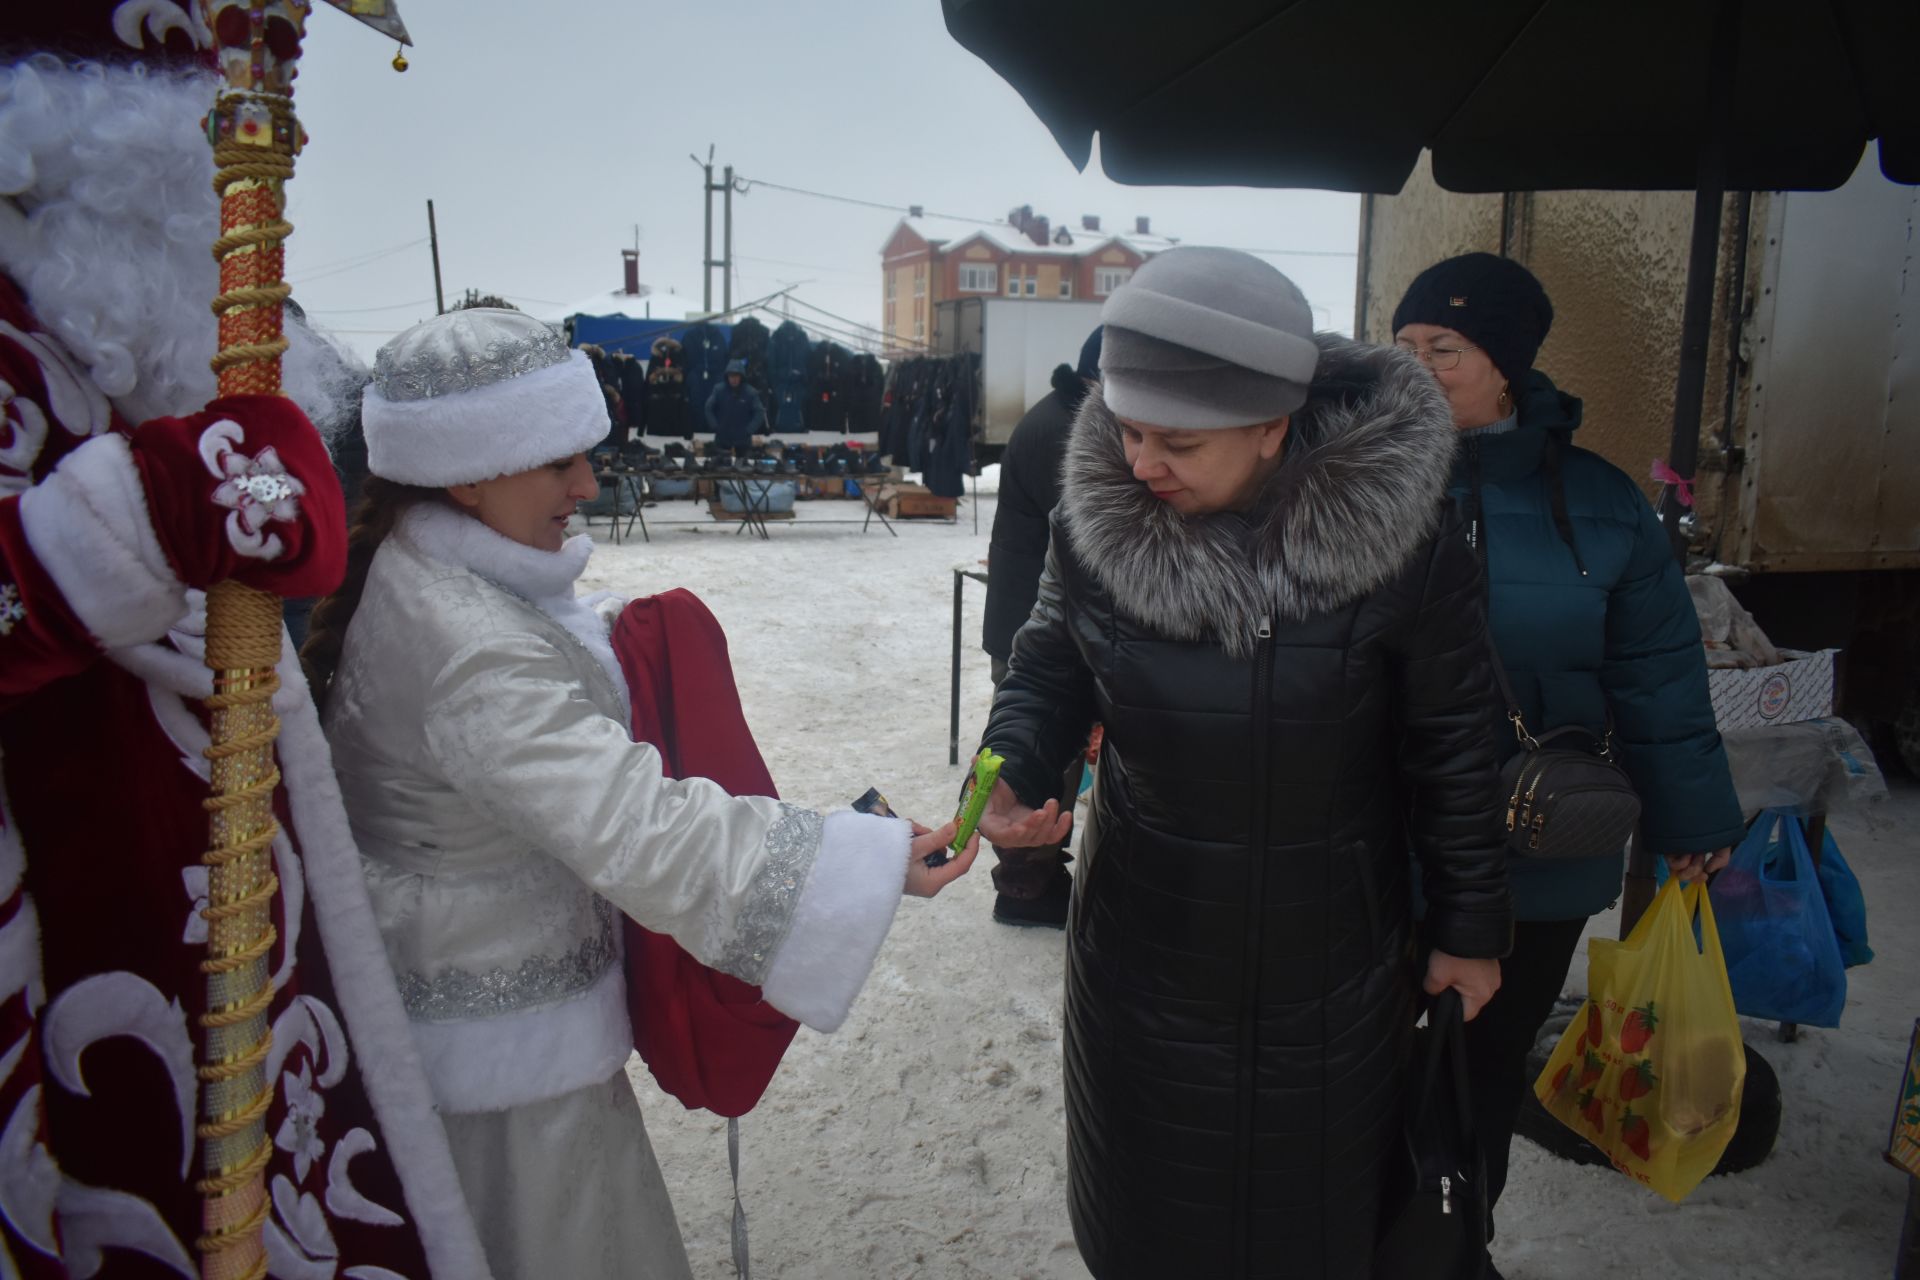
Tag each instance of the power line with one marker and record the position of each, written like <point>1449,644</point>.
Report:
<point>854,324</point>
<point>355,263</point>
<point>810,266</point>
<point>354,311</point>
<point>998,222</point>
<point>750,183</point>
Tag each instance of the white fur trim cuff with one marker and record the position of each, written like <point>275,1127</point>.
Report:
<point>490,1064</point>
<point>497,430</point>
<point>842,917</point>
<point>88,524</point>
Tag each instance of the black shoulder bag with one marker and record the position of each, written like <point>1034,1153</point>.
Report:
<point>1436,1225</point>
<point>1565,795</point>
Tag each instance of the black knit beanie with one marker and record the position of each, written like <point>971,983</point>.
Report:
<point>1493,302</point>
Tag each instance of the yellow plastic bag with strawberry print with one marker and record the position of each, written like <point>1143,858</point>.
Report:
<point>1652,1068</point>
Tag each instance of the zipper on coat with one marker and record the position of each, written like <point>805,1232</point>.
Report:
<point>1242,1218</point>
<point>1475,503</point>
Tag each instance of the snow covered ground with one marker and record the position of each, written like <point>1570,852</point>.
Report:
<point>926,1138</point>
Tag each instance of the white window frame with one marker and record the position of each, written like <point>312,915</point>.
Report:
<point>1033,284</point>
<point>1107,279</point>
<point>920,280</point>
<point>893,285</point>
<point>979,277</point>
<point>1013,279</point>
<point>1066,285</point>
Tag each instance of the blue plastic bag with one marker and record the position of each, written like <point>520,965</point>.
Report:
<point>1783,959</point>
<point>1845,903</point>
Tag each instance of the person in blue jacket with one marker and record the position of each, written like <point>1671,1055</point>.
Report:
<point>735,413</point>
<point>1592,620</point>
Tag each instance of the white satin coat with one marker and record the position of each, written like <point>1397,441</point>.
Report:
<point>479,728</point>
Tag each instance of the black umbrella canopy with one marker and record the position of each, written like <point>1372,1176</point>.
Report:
<point>1510,95</point>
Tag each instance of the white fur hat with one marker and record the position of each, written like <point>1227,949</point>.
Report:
<point>475,394</point>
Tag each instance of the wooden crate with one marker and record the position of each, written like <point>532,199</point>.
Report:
<point>920,506</point>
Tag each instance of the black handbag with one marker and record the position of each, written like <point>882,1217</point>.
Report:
<point>1565,795</point>
<point>1436,1189</point>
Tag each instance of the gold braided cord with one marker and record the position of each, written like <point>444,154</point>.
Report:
<point>259,235</point>
<point>248,1168</point>
<point>252,1113</point>
<point>261,296</point>
<point>252,353</point>
<point>227,1070</point>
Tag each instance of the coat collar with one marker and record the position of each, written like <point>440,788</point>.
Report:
<point>1358,492</point>
<point>460,540</point>
<point>544,579</point>
<point>1515,455</point>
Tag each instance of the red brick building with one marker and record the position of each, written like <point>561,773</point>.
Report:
<point>927,260</point>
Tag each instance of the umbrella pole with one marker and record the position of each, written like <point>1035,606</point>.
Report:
<point>1683,449</point>
<point>1696,323</point>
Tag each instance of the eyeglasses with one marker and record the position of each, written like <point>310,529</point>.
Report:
<point>1438,359</point>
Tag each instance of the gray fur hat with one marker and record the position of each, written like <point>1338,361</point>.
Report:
<point>1203,338</point>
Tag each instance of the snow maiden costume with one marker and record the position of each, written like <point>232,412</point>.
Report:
<point>479,722</point>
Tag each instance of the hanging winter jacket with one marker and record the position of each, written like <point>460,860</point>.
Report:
<point>667,391</point>
<point>787,352</point>
<point>705,351</point>
<point>863,411</point>
<point>823,387</point>
<point>749,344</point>
<point>633,393</point>
<point>1293,699</point>
<point>948,448</point>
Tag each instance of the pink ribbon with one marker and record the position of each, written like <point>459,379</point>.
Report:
<point>1682,487</point>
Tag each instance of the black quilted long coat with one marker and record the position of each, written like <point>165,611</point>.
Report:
<point>1294,698</point>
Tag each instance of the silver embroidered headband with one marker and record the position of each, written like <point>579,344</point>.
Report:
<point>480,393</point>
<point>464,351</point>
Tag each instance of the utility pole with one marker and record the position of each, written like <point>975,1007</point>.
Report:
<point>726,277</point>
<point>433,238</point>
<point>707,188</point>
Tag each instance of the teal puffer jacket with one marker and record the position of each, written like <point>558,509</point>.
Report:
<point>1590,614</point>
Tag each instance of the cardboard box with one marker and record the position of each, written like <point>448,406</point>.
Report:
<point>828,486</point>
<point>1800,688</point>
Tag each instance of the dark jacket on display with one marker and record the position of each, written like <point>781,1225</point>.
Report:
<point>1029,490</point>
<point>1591,614</point>
<point>735,415</point>
<point>1293,699</point>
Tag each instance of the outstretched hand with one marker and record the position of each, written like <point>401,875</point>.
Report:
<point>924,881</point>
<point>1012,825</point>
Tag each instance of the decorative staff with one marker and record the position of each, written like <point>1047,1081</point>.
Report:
<point>255,138</point>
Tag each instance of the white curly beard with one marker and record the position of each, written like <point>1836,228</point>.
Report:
<point>109,228</point>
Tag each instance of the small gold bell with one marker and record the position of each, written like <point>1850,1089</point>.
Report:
<point>400,62</point>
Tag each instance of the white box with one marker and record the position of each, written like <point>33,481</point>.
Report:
<point>1801,688</point>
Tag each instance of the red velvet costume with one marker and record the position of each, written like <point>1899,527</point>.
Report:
<point>106,528</point>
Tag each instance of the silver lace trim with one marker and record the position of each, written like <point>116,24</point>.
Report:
<point>455,995</point>
<point>793,843</point>
<point>436,364</point>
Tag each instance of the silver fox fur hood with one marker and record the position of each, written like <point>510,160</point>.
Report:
<point>1357,493</point>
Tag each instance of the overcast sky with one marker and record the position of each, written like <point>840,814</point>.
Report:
<point>544,134</point>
